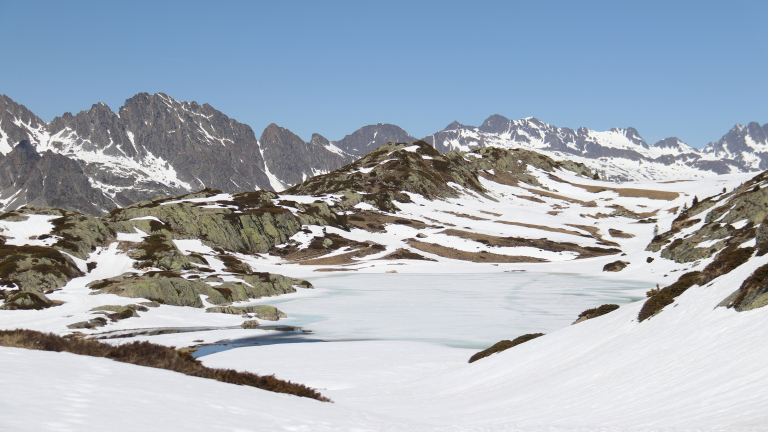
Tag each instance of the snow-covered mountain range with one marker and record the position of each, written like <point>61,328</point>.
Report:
<point>155,145</point>
<point>617,154</point>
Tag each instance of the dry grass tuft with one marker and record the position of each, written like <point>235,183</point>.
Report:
<point>504,345</point>
<point>151,355</point>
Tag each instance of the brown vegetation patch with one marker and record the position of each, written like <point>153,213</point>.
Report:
<point>555,196</point>
<point>504,345</point>
<point>596,312</point>
<point>615,266</point>
<point>491,213</point>
<point>405,254</point>
<point>373,221</point>
<point>530,198</point>
<point>464,215</point>
<point>544,228</point>
<point>151,355</point>
<point>549,245</point>
<point>631,193</point>
<point>501,177</point>
<point>667,295</point>
<point>619,234</point>
<point>449,252</point>
<point>332,269</point>
<point>345,258</point>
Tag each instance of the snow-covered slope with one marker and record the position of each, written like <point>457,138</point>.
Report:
<point>693,364</point>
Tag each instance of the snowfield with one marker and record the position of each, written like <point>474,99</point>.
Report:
<point>392,350</point>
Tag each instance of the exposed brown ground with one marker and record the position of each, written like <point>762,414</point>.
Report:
<point>448,252</point>
<point>405,254</point>
<point>438,222</point>
<point>631,193</point>
<point>374,221</point>
<point>494,241</point>
<point>491,213</point>
<point>619,234</point>
<point>544,228</point>
<point>530,198</point>
<point>595,232</point>
<point>501,177</point>
<point>333,269</point>
<point>556,196</point>
<point>345,258</point>
<point>464,215</point>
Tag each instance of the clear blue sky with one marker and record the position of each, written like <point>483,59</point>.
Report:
<point>686,69</point>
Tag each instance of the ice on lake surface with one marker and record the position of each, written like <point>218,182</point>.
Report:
<point>458,310</point>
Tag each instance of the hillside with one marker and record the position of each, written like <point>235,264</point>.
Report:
<point>173,270</point>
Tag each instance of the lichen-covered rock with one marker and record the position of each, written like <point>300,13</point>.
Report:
<point>250,324</point>
<point>158,250</point>
<point>163,288</point>
<point>80,234</point>
<point>96,322</point>
<point>38,269</point>
<point>265,312</point>
<point>25,300</point>
<point>752,294</point>
<point>172,289</point>
<point>746,207</point>
<point>250,222</point>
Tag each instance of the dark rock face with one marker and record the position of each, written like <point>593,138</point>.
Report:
<point>11,115</point>
<point>746,145</point>
<point>369,138</point>
<point>292,160</point>
<point>48,179</point>
<point>159,146</point>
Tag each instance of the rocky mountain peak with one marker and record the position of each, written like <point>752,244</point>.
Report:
<point>496,123</point>
<point>370,137</point>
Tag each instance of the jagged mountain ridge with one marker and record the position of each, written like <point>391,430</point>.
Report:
<point>618,154</point>
<point>156,145</point>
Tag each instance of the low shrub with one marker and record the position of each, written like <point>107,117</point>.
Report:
<point>504,345</point>
<point>667,295</point>
<point>596,312</point>
<point>151,355</point>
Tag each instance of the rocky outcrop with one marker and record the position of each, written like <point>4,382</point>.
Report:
<point>172,289</point>
<point>265,312</point>
<point>615,266</point>
<point>29,178</point>
<point>35,269</point>
<point>248,222</point>
<point>25,300</point>
<point>383,176</point>
<point>752,294</point>
<point>726,220</point>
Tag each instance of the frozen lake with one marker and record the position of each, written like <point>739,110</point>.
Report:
<point>458,310</point>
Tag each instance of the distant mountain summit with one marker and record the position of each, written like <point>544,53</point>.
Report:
<point>369,138</point>
<point>746,145</point>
